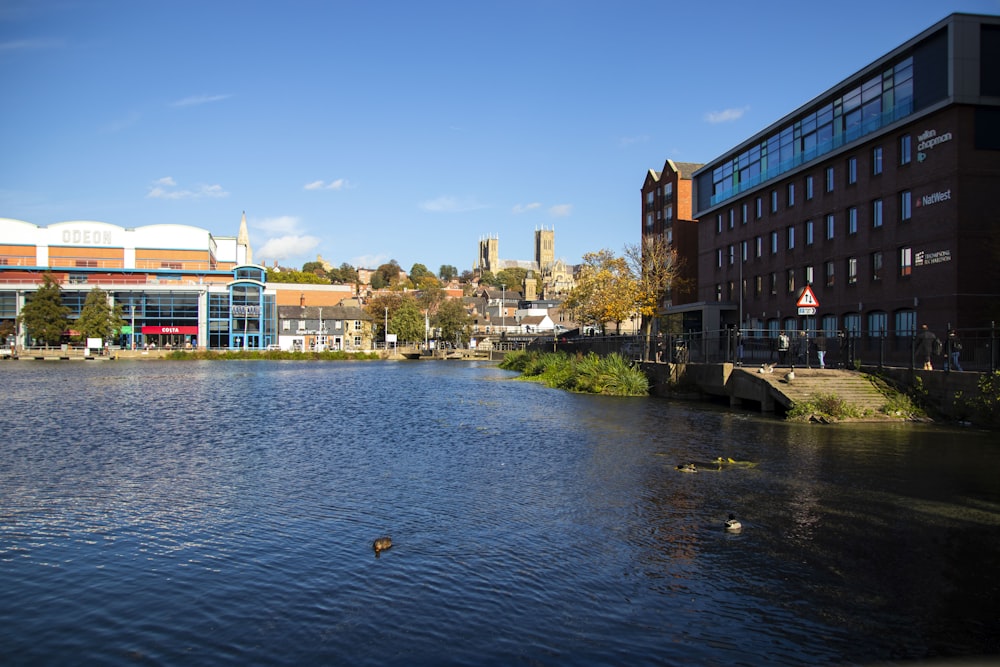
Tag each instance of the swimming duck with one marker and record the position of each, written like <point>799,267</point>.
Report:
<point>733,524</point>
<point>687,467</point>
<point>381,544</point>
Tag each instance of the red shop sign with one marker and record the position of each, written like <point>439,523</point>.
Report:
<point>170,330</point>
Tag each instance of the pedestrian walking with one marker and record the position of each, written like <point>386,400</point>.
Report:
<point>820,343</point>
<point>783,344</point>
<point>954,351</point>
<point>926,345</point>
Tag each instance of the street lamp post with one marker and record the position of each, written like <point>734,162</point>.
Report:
<point>503,308</point>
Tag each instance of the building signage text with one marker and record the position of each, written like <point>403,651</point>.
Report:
<point>927,140</point>
<point>246,311</point>
<point>927,258</point>
<point>934,198</point>
<point>86,237</point>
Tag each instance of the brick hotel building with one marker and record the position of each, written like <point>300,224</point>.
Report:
<point>879,194</point>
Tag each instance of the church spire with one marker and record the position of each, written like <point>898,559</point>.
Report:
<point>243,240</point>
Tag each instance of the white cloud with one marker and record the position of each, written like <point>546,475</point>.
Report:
<point>451,205</point>
<point>287,247</point>
<point>524,208</point>
<point>196,100</point>
<point>282,224</point>
<point>560,210</point>
<point>338,184</point>
<point>369,261</point>
<point>639,139</point>
<point>29,44</point>
<point>163,188</point>
<point>726,115</point>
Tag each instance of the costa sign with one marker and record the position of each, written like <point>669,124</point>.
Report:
<point>170,330</point>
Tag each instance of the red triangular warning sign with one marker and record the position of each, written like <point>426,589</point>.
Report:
<point>807,299</point>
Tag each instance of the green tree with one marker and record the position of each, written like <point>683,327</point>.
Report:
<point>44,315</point>
<point>655,263</point>
<point>344,274</point>
<point>512,278</point>
<point>606,291</point>
<point>453,320</point>
<point>382,305</point>
<point>98,319</point>
<point>388,275</point>
<point>418,271</point>
<point>407,322</point>
<point>315,268</point>
<point>447,272</point>
<point>296,277</point>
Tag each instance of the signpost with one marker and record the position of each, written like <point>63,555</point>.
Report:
<point>807,302</point>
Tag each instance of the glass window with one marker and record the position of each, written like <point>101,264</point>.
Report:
<point>852,270</point>
<point>791,194</point>
<point>877,213</point>
<point>852,170</point>
<point>790,280</point>
<point>774,283</point>
<point>718,224</point>
<point>905,261</point>
<point>905,209</point>
<point>906,323</point>
<point>790,237</point>
<point>745,212</point>
<point>877,324</point>
<point>809,232</point>
<point>758,285</point>
<point>808,275</point>
<point>774,242</point>
<point>759,247</point>
<point>830,223</point>
<point>809,187</point>
<point>905,149</point>
<point>732,254</point>
<point>732,218</point>
<point>877,265</point>
<point>852,220</point>
<point>830,270</point>
<point>774,201</point>
<point>718,258</point>
<point>876,160</point>
<point>760,208</point>
<point>829,179</point>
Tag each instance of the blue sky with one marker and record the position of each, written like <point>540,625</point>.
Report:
<point>406,130</point>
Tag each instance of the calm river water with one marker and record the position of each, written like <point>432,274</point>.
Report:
<point>222,513</point>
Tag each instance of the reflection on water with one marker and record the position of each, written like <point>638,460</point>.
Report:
<point>223,513</point>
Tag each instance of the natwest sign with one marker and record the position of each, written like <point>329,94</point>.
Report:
<point>170,330</point>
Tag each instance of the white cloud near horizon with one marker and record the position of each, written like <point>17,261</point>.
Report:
<point>163,188</point>
<point>524,208</point>
<point>197,100</point>
<point>726,115</point>
<point>448,204</point>
<point>561,210</point>
<point>286,247</point>
<point>338,184</point>
<point>285,239</point>
<point>29,44</point>
<point>369,261</point>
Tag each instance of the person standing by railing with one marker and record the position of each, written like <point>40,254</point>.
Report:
<point>820,343</point>
<point>926,344</point>
<point>954,351</point>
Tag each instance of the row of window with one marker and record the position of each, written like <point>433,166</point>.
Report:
<point>745,213</point>
<point>850,268</point>
<point>829,229</point>
<point>880,100</point>
<point>876,321</point>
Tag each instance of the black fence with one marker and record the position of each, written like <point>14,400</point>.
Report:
<point>968,350</point>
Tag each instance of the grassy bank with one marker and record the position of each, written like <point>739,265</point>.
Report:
<point>612,375</point>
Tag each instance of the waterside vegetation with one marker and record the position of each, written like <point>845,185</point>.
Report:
<point>611,375</point>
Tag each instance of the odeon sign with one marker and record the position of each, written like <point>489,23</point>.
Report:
<point>86,237</point>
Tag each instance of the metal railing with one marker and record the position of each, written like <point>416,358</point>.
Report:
<point>976,348</point>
